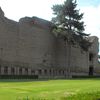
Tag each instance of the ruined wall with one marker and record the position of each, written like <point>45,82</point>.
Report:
<point>36,43</point>
<point>94,49</point>
<point>30,43</point>
<point>61,54</point>
<point>8,39</point>
<point>72,58</point>
<point>79,61</point>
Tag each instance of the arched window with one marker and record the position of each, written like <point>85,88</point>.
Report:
<point>5,70</point>
<point>50,71</point>
<point>45,71</point>
<point>12,70</point>
<point>26,71</point>
<point>20,71</point>
<point>33,71</point>
<point>40,71</point>
<point>63,72</point>
<point>60,72</point>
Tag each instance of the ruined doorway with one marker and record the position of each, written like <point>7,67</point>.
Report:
<point>91,70</point>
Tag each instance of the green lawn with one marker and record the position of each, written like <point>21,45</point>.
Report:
<point>88,89</point>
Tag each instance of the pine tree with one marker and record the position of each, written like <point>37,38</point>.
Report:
<point>67,17</point>
<point>69,26</point>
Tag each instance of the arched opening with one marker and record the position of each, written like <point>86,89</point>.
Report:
<point>6,70</point>
<point>33,72</point>
<point>91,70</point>
<point>45,72</point>
<point>20,71</point>
<point>50,71</point>
<point>90,56</point>
<point>12,71</point>
<point>26,71</point>
<point>39,71</point>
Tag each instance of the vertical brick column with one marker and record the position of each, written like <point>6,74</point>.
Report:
<point>43,72</point>
<point>29,71</point>
<point>9,70</point>
<point>23,71</point>
<point>17,70</point>
<point>36,72</point>
<point>2,70</point>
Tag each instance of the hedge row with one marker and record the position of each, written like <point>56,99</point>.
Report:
<point>18,76</point>
<point>86,76</point>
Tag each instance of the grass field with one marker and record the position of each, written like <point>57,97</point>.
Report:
<point>82,89</point>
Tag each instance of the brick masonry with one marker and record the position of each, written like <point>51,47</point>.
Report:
<point>29,47</point>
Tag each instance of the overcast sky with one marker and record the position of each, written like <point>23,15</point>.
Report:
<point>15,9</point>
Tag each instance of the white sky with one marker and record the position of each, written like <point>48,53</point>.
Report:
<point>16,9</point>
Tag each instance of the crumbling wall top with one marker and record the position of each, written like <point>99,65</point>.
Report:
<point>1,13</point>
<point>38,22</point>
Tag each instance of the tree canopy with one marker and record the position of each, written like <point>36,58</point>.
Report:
<point>68,20</point>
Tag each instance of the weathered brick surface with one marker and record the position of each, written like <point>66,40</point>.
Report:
<point>30,47</point>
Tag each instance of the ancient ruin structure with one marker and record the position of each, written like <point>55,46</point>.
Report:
<point>29,47</point>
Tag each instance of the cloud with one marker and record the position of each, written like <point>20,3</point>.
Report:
<point>92,19</point>
<point>15,9</point>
